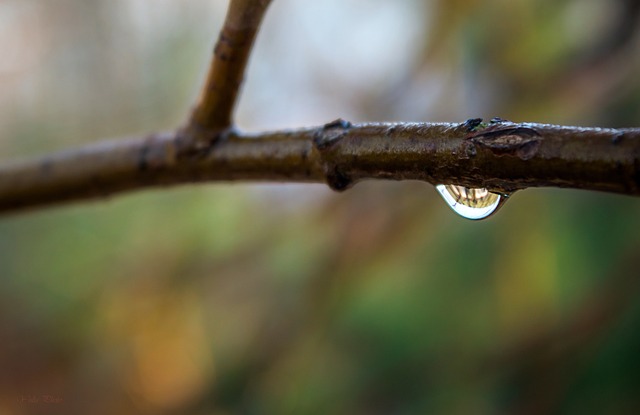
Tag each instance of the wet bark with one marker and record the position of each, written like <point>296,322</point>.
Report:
<point>501,156</point>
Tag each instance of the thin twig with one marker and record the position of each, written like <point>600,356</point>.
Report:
<point>501,156</point>
<point>214,110</point>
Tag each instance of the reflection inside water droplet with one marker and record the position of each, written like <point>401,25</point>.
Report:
<point>471,202</point>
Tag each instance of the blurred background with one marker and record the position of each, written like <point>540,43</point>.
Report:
<point>279,298</point>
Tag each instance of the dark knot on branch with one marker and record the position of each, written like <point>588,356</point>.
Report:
<point>331,133</point>
<point>508,140</point>
<point>326,138</point>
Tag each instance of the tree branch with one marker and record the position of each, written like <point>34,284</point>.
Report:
<point>502,156</point>
<point>219,95</point>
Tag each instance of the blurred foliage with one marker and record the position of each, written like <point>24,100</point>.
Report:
<point>241,298</point>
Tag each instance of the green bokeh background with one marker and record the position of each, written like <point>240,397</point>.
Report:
<point>273,298</point>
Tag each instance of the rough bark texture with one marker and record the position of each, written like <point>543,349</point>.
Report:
<point>502,156</point>
<point>499,155</point>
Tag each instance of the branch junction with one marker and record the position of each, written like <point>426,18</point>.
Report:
<point>501,156</point>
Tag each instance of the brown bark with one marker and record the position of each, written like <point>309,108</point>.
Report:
<point>502,156</point>
<point>214,110</point>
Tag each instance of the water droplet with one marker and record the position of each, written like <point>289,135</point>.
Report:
<point>471,202</point>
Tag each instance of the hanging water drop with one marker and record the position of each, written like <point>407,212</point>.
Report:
<point>471,202</point>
